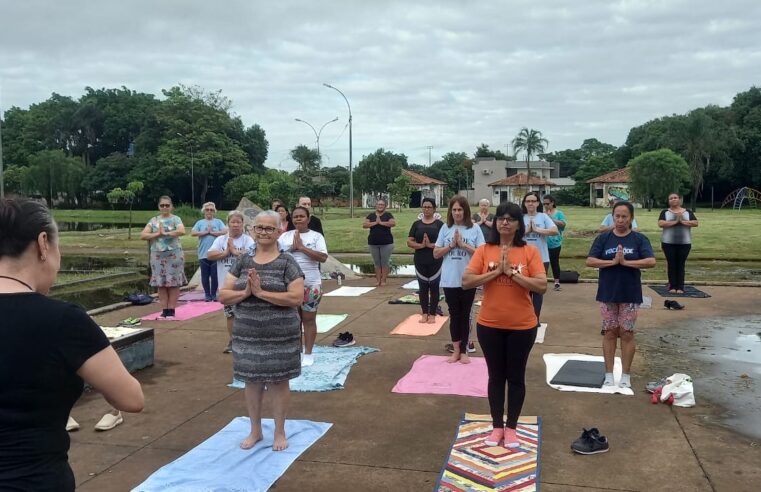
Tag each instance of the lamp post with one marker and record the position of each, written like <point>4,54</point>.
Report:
<point>317,133</point>
<point>192,173</point>
<point>351,174</point>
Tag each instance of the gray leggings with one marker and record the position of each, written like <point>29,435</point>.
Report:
<point>381,254</point>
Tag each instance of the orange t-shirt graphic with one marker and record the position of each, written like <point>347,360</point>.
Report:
<point>506,304</point>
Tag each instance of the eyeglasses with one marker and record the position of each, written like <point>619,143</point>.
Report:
<point>209,210</point>
<point>546,204</point>
<point>509,219</point>
<point>165,205</point>
<point>265,230</point>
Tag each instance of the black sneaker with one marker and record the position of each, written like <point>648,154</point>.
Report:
<point>590,442</point>
<point>344,340</point>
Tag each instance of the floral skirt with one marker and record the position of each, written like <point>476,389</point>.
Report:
<point>168,268</point>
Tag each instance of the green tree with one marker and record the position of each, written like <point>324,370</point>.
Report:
<point>657,173</point>
<point>455,169</point>
<point>531,142</point>
<point>236,188</point>
<point>274,184</point>
<point>14,178</point>
<point>746,122</point>
<point>591,168</point>
<point>53,174</point>
<point>483,150</point>
<point>307,159</point>
<point>400,190</point>
<point>376,171</point>
<point>128,196</point>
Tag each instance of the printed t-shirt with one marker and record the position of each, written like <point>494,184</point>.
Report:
<point>312,240</point>
<point>457,259</point>
<point>424,256</point>
<point>506,304</point>
<point>165,243</point>
<point>380,235</point>
<point>620,284</point>
<point>539,241</point>
<point>243,243</point>
<point>557,241</point>
<point>205,242</point>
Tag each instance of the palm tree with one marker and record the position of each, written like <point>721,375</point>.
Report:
<point>532,142</point>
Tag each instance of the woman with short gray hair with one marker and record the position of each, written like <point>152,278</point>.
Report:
<point>380,240</point>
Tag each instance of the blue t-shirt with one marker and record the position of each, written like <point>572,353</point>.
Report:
<point>205,242</point>
<point>456,260</point>
<point>557,241</point>
<point>539,241</point>
<point>620,284</point>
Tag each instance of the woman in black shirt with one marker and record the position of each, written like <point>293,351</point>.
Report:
<point>48,348</point>
<point>422,238</point>
<point>380,240</point>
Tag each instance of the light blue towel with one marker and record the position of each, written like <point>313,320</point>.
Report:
<point>329,371</point>
<point>219,465</point>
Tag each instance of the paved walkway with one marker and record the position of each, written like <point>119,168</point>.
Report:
<point>385,441</point>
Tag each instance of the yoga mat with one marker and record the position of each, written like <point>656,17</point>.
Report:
<point>554,362</point>
<point>193,295</point>
<point>689,291</point>
<point>326,322</point>
<point>472,465</point>
<point>412,326</point>
<point>540,332</point>
<point>187,311</point>
<point>411,285</point>
<point>347,291</point>
<point>432,374</point>
<point>582,373</point>
<point>329,371</point>
<point>218,463</point>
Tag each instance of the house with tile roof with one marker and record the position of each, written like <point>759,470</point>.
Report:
<point>605,189</point>
<point>513,188</point>
<point>425,187</point>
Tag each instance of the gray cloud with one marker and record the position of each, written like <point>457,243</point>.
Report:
<point>449,74</point>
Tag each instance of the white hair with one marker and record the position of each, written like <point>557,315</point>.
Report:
<point>482,201</point>
<point>271,214</point>
<point>208,204</point>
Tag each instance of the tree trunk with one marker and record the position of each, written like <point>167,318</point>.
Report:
<point>129,227</point>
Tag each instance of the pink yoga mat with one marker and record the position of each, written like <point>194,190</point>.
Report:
<point>412,326</point>
<point>193,295</point>
<point>432,374</point>
<point>187,311</point>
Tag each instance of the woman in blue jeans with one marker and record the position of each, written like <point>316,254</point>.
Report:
<point>207,230</point>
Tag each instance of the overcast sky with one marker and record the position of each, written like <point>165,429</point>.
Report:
<point>446,74</point>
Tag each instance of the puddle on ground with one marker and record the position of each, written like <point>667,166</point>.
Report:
<point>723,356</point>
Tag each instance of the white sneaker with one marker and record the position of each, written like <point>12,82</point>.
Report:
<point>608,380</point>
<point>109,421</point>
<point>625,381</point>
<point>72,425</point>
<point>307,360</point>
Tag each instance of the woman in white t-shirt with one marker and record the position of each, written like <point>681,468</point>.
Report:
<point>538,225</point>
<point>225,251</point>
<point>309,249</point>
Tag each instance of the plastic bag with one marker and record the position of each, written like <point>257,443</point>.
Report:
<point>680,387</point>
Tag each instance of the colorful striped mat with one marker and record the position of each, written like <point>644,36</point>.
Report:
<point>472,465</point>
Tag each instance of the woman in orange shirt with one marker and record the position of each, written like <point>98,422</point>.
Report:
<point>510,270</point>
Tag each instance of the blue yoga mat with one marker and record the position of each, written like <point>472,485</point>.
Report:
<point>329,371</point>
<point>219,465</point>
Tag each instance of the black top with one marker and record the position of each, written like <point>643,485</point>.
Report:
<point>315,224</point>
<point>424,256</point>
<point>380,235</point>
<point>43,342</point>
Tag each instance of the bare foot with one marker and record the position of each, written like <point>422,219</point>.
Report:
<point>432,319</point>
<point>679,291</point>
<point>280,442</point>
<point>383,284</point>
<point>423,318</point>
<point>464,359</point>
<point>672,291</point>
<point>251,440</point>
<point>453,358</point>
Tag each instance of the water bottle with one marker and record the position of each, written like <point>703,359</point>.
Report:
<point>338,277</point>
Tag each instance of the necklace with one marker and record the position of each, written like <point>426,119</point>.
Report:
<point>19,281</point>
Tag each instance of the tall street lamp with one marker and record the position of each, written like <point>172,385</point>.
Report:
<point>316,133</point>
<point>192,173</point>
<point>351,174</point>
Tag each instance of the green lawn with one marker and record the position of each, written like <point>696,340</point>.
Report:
<point>722,235</point>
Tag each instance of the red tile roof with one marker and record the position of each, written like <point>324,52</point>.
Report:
<point>520,180</point>
<point>617,176</point>
<point>418,179</point>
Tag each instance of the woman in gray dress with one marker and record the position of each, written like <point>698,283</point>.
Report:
<point>267,290</point>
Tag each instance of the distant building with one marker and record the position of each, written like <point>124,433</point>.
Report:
<point>610,187</point>
<point>487,171</point>
<point>425,187</point>
<point>513,188</point>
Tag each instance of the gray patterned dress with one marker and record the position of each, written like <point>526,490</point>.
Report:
<point>266,337</point>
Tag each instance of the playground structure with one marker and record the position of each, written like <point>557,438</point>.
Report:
<point>740,195</point>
